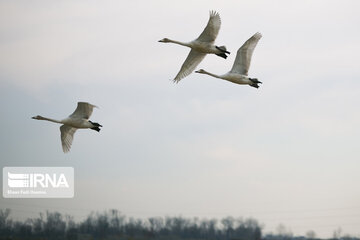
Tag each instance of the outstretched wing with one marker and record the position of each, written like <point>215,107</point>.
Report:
<point>191,62</point>
<point>83,110</point>
<point>212,28</point>
<point>67,136</point>
<point>244,54</point>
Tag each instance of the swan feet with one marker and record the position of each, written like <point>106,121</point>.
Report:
<point>223,55</point>
<point>223,51</point>
<point>255,82</point>
<point>96,126</point>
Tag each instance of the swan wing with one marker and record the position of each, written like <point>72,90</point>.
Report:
<point>83,110</point>
<point>244,54</point>
<point>212,28</point>
<point>67,136</point>
<point>191,62</point>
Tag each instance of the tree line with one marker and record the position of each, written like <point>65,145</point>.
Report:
<point>114,225</point>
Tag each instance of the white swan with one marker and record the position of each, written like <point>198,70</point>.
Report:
<point>239,72</point>
<point>201,46</point>
<point>78,119</point>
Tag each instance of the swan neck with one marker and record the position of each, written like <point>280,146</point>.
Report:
<point>211,74</point>
<point>51,120</point>
<point>180,43</point>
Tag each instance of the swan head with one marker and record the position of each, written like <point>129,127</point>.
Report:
<point>38,117</point>
<point>201,71</point>
<point>164,40</point>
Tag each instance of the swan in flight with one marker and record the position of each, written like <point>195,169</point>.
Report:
<point>239,72</point>
<point>201,46</point>
<point>78,119</point>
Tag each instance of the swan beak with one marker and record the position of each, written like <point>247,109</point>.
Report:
<point>160,41</point>
<point>197,71</point>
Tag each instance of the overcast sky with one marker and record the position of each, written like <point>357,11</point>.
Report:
<point>287,152</point>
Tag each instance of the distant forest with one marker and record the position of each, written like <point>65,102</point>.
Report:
<point>112,225</point>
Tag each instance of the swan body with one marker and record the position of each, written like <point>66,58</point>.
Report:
<point>201,46</point>
<point>77,123</point>
<point>79,119</point>
<point>239,72</point>
<point>231,77</point>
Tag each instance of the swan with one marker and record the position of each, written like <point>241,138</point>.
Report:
<point>201,46</point>
<point>78,119</point>
<point>239,72</point>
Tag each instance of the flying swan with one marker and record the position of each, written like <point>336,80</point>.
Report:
<point>201,46</point>
<point>239,72</point>
<point>78,119</point>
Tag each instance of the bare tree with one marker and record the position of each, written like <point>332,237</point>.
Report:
<point>283,232</point>
<point>310,234</point>
<point>337,233</point>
